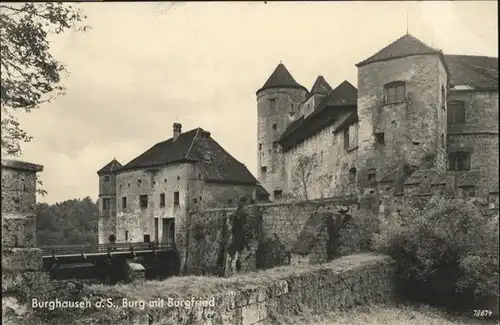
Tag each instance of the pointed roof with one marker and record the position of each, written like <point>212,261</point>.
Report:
<point>281,78</point>
<point>480,72</point>
<point>196,146</point>
<point>111,167</point>
<point>344,94</point>
<point>406,45</point>
<point>321,86</point>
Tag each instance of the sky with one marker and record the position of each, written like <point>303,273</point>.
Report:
<point>144,66</point>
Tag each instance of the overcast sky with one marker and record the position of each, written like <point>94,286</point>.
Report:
<point>143,66</point>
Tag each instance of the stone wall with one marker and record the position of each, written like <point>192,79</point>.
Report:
<point>20,257</point>
<point>338,285</point>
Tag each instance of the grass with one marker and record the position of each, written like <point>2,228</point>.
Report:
<point>384,315</point>
<point>202,286</point>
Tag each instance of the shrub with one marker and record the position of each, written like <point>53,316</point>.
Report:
<point>357,235</point>
<point>446,252</point>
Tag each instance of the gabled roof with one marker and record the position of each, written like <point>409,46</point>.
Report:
<point>480,72</point>
<point>342,98</point>
<point>111,167</point>
<point>321,86</point>
<point>197,146</point>
<point>406,45</point>
<point>281,78</point>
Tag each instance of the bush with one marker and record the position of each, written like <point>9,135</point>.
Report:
<point>357,235</point>
<point>446,252</point>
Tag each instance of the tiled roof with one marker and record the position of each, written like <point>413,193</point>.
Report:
<point>481,72</point>
<point>111,167</point>
<point>335,103</point>
<point>406,45</point>
<point>281,78</point>
<point>321,86</point>
<point>197,146</point>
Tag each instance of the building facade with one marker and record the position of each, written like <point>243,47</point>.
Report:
<point>415,108</point>
<point>150,198</point>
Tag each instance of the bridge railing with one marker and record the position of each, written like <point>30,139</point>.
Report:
<point>103,248</point>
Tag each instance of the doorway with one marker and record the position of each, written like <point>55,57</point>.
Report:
<point>156,230</point>
<point>168,228</point>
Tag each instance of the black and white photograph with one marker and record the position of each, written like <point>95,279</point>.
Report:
<point>250,163</point>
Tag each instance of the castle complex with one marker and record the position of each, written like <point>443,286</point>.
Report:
<point>417,115</point>
<point>415,108</point>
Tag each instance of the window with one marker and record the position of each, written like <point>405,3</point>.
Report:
<point>346,139</point>
<point>275,126</point>
<point>272,103</point>
<point>443,98</point>
<point>380,138</point>
<point>106,203</point>
<point>146,238</point>
<point>124,203</point>
<point>372,175</point>
<point>143,201</point>
<point>352,175</point>
<point>199,175</point>
<point>200,198</point>
<point>176,198</point>
<point>195,200</point>
<point>394,92</point>
<point>162,200</point>
<point>178,178</point>
<point>230,201</point>
<point>260,146</point>
<point>106,178</point>
<point>263,169</point>
<point>139,182</point>
<point>126,235</point>
<point>153,184</point>
<point>278,194</point>
<point>165,180</point>
<point>128,185</point>
<point>393,124</point>
<point>456,112</point>
<point>459,161</point>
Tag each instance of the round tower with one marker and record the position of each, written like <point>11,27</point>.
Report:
<point>278,105</point>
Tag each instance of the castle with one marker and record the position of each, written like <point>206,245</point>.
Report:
<point>415,109</point>
<point>418,116</point>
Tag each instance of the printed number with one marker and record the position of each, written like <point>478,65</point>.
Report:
<point>482,312</point>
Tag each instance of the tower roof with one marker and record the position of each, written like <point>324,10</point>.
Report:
<point>281,78</point>
<point>321,86</point>
<point>406,45</point>
<point>110,167</point>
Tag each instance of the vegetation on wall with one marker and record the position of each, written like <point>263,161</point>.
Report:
<point>67,223</point>
<point>446,251</point>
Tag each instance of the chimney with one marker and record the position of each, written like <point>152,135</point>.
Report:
<point>177,130</point>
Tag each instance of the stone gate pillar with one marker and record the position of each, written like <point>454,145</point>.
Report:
<point>19,252</point>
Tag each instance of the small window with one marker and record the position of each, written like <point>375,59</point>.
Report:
<point>120,187</point>
<point>128,185</point>
<point>456,112</point>
<point>230,201</point>
<point>106,203</point>
<point>275,126</point>
<point>393,124</point>
<point>126,235</point>
<point>346,139</point>
<point>146,238</point>
<point>278,194</point>
<point>143,201</point>
<point>195,200</point>
<point>165,180</point>
<point>178,178</point>
<point>176,198</point>
<point>199,175</point>
<point>459,161</point>
<point>263,169</point>
<point>124,203</point>
<point>380,138</point>
<point>352,175</point>
<point>372,175</point>
<point>153,184</point>
<point>106,178</point>
<point>200,198</point>
<point>260,146</point>
<point>162,200</point>
<point>394,92</point>
<point>272,103</point>
<point>139,182</point>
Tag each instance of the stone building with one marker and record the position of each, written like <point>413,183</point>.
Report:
<point>415,108</point>
<point>151,197</point>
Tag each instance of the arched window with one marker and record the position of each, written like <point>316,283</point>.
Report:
<point>456,112</point>
<point>372,176</point>
<point>352,175</point>
<point>459,160</point>
<point>394,92</point>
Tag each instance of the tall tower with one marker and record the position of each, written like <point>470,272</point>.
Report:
<point>278,103</point>
<point>107,200</point>
<point>402,111</point>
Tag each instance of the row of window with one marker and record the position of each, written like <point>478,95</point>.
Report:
<point>139,181</point>
<point>143,201</point>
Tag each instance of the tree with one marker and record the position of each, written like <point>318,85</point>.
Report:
<point>303,173</point>
<point>30,75</point>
